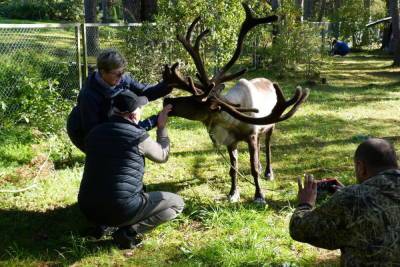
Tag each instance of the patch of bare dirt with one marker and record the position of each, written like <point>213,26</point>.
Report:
<point>38,168</point>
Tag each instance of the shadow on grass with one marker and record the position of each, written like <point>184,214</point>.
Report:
<point>10,160</point>
<point>196,174</point>
<point>332,261</point>
<point>52,236</point>
<point>331,97</point>
<point>175,186</point>
<point>319,129</point>
<point>69,162</point>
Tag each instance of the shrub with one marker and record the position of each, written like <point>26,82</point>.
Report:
<point>40,104</point>
<point>66,10</point>
<point>28,97</point>
<point>150,47</point>
<point>353,17</point>
<point>298,45</point>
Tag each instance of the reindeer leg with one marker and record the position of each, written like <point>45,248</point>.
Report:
<point>258,153</point>
<point>255,171</point>
<point>234,194</point>
<point>269,174</point>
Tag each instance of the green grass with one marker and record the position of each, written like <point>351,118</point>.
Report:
<point>24,21</point>
<point>43,225</point>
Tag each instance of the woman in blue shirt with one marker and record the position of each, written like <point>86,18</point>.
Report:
<point>94,100</point>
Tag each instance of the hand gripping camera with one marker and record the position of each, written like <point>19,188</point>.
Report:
<point>328,185</point>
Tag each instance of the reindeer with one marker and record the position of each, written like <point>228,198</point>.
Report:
<point>247,111</point>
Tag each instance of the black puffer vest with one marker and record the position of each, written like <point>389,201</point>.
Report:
<point>111,188</point>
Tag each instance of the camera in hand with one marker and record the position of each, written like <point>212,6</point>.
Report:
<point>328,185</point>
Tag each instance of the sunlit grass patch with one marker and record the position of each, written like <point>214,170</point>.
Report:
<point>43,225</point>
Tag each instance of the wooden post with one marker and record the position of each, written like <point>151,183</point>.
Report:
<point>84,43</point>
<point>78,54</point>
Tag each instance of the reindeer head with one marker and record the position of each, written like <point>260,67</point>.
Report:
<point>205,93</point>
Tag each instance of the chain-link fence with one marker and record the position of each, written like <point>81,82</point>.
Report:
<point>36,56</point>
<point>146,53</point>
<point>147,49</point>
<point>56,58</point>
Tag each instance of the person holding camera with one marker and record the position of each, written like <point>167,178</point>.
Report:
<point>111,192</point>
<point>362,220</point>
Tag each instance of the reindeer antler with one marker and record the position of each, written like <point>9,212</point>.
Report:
<point>174,78</point>
<point>208,90</point>
<point>195,53</point>
<point>249,23</point>
<point>210,86</point>
<point>276,115</point>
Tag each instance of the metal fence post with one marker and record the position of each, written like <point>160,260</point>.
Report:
<point>78,54</point>
<point>84,57</point>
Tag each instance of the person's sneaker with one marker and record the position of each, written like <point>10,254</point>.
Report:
<point>99,231</point>
<point>126,238</point>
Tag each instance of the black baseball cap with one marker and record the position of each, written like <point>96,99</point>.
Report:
<point>127,101</point>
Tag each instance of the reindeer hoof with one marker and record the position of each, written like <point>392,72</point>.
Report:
<point>234,198</point>
<point>259,201</point>
<point>269,176</point>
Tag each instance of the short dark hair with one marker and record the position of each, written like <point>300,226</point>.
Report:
<point>110,59</point>
<point>377,153</point>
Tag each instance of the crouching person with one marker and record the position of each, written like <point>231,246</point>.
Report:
<point>111,192</point>
<point>361,220</point>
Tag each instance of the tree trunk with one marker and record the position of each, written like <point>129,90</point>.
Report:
<point>92,38</point>
<point>275,4</point>
<point>90,11</point>
<point>387,30</point>
<point>396,58</point>
<point>394,8</point>
<point>105,8</point>
<point>394,13</point>
<point>132,10</point>
<point>366,35</point>
<point>338,4</point>
<point>308,9</point>
<point>367,6</point>
<point>322,10</point>
<point>149,9</point>
<point>299,5</point>
<point>336,15</point>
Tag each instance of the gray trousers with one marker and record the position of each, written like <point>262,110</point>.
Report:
<point>158,207</point>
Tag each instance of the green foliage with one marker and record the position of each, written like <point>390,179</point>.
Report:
<point>298,45</point>
<point>378,9</point>
<point>146,52</point>
<point>223,18</point>
<point>353,17</point>
<point>40,104</point>
<point>28,96</point>
<point>66,10</point>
